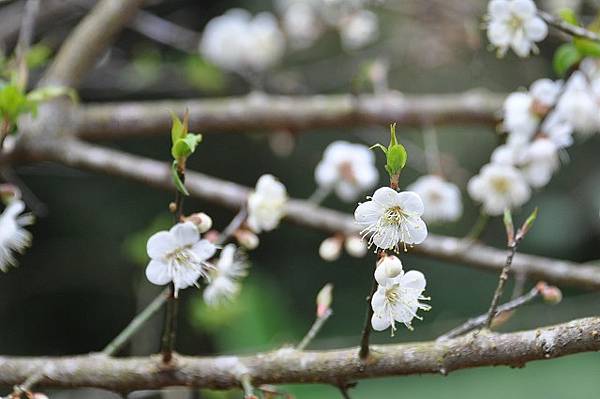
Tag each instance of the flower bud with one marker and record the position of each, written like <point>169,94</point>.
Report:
<point>247,239</point>
<point>355,246</point>
<point>9,192</point>
<point>212,236</point>
<point>550,293</point>
<point>324,299</point>
<point>202,221</point>
<point>331,248</point>
<point>387,268</point>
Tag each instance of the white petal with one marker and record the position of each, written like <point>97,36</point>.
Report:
<point>326,173</point>
<point>158,273</point>
<point>521,44</point>
<point>411,203</point>
<point>413,279</point>
<point>523,8</point>
<point>386,196</point>
<point>347,192</point>
<point>380,322</point>
<point>368,213</point>
<point>204,250</point>
<point>378,300</point>
<point>387,237</point>
<point>417,231</point>
<point>536,29</point>
<point>160,244</point>
<point>499,34</point>
<point>366,176</point>
<point>185,234</point>
<point>498,9</point>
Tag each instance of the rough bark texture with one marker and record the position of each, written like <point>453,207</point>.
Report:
<point>290,366</point>
<point>266,112</point>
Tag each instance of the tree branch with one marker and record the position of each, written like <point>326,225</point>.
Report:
<point>88,40</point>
<point>290,366</point>
<point>568,28</point>
<point>157,174</point>
<point>264,112</point>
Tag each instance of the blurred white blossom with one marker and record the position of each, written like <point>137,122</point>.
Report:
<point>392,217</point>
<point>515,24</point>
<point>224,278</point>
<point>236,41</point>
<point>347,168</point>
<point>441,199</point>
<point>355,246</point>
<point>13,236</point>
<point>301,23</point>
<point>539,161</point>
<point>178,256</point>
<point>580,104</point>
<point>266,204</point>
<point>331,248</point>
<point>499,186</point>
<point>359,29</point>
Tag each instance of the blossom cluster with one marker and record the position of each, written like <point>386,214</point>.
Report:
<point>540,123</point>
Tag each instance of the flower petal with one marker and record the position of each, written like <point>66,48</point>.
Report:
<point>498,33</point>
<point>326,173</point>
<point>523,8</point>
<point>386,196</point>
<point>536,29</point>
<point>411,203</point>
<point>413,279</point>
<point>158,273</point>
<point>417,231</point>
<point>368,213</point>
<point>499,9</point>
<point>387,237</point>
<point>380,322</point>
<point>160,244</point>
<point>185,234</point>
<point>203,250</point>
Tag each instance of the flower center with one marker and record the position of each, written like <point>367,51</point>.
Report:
<point>501,184</point>
<point>182,257</point>
<point>394,215</point>
<point>346,172</point>
<point>392,296</point>
<point>515,23</point>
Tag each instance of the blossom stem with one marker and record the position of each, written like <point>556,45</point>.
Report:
<point>314,330</point>
<point>319,195</point>
<point>568,28</point>
<point>480,320</point>
<point>363,353</point>
<point>231,228</point>
<point>138,321</point>
<point>512,250</point>
<point>478,228</point>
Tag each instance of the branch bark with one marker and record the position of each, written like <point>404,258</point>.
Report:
<point>264,112</point>
<point>288,365</point>
<point>78,154</point>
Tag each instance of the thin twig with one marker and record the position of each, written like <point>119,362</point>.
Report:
<point>314,330</point>
<point>481,320</point>
<point>363,353</point>
<point>568,28</point>
<point>233,226</point>
<point>134,326</point>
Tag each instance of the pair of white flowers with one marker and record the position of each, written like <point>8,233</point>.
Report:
<point>238,42</point>
<point>182,257</point>
<point>398,296</point>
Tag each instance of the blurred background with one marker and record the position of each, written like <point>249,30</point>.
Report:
<point>83,279</point>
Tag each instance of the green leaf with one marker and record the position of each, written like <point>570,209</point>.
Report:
<point>38,55</point>
<point>587,47</point>
<point>177,129</point>
<point>177,181</point>
<point>569,16</point>
<point>50,92</point>
<point>565,57</point>
<point>380,146</point>
<point>12,103</point>
<point>186,146</point>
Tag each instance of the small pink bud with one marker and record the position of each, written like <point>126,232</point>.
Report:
<point>355,246</point>
<point>388,267</point>
<point>324,299</point>
<point>202,221</point>
<point>212,236</point>
<point>247,239</point>
<point>550,293</point>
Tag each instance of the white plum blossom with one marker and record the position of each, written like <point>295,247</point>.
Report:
<point>266,205</point>
<point>347,168</point>
<point>515,24</point>
<point>580,104</point>
<point>236,41</point>
<point>301,23</point>
<point>178,256</point>
<point>524,111</point>
<point>506,154</point>
<point>398,296</point>
<point>13,237</point>
<point>224,277</point>
<point>558,129</point>
<point>359,29</point>
<point>391,217</point>
<point>441,199</point>
<point>497,187</point>
<point>539,161</point>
